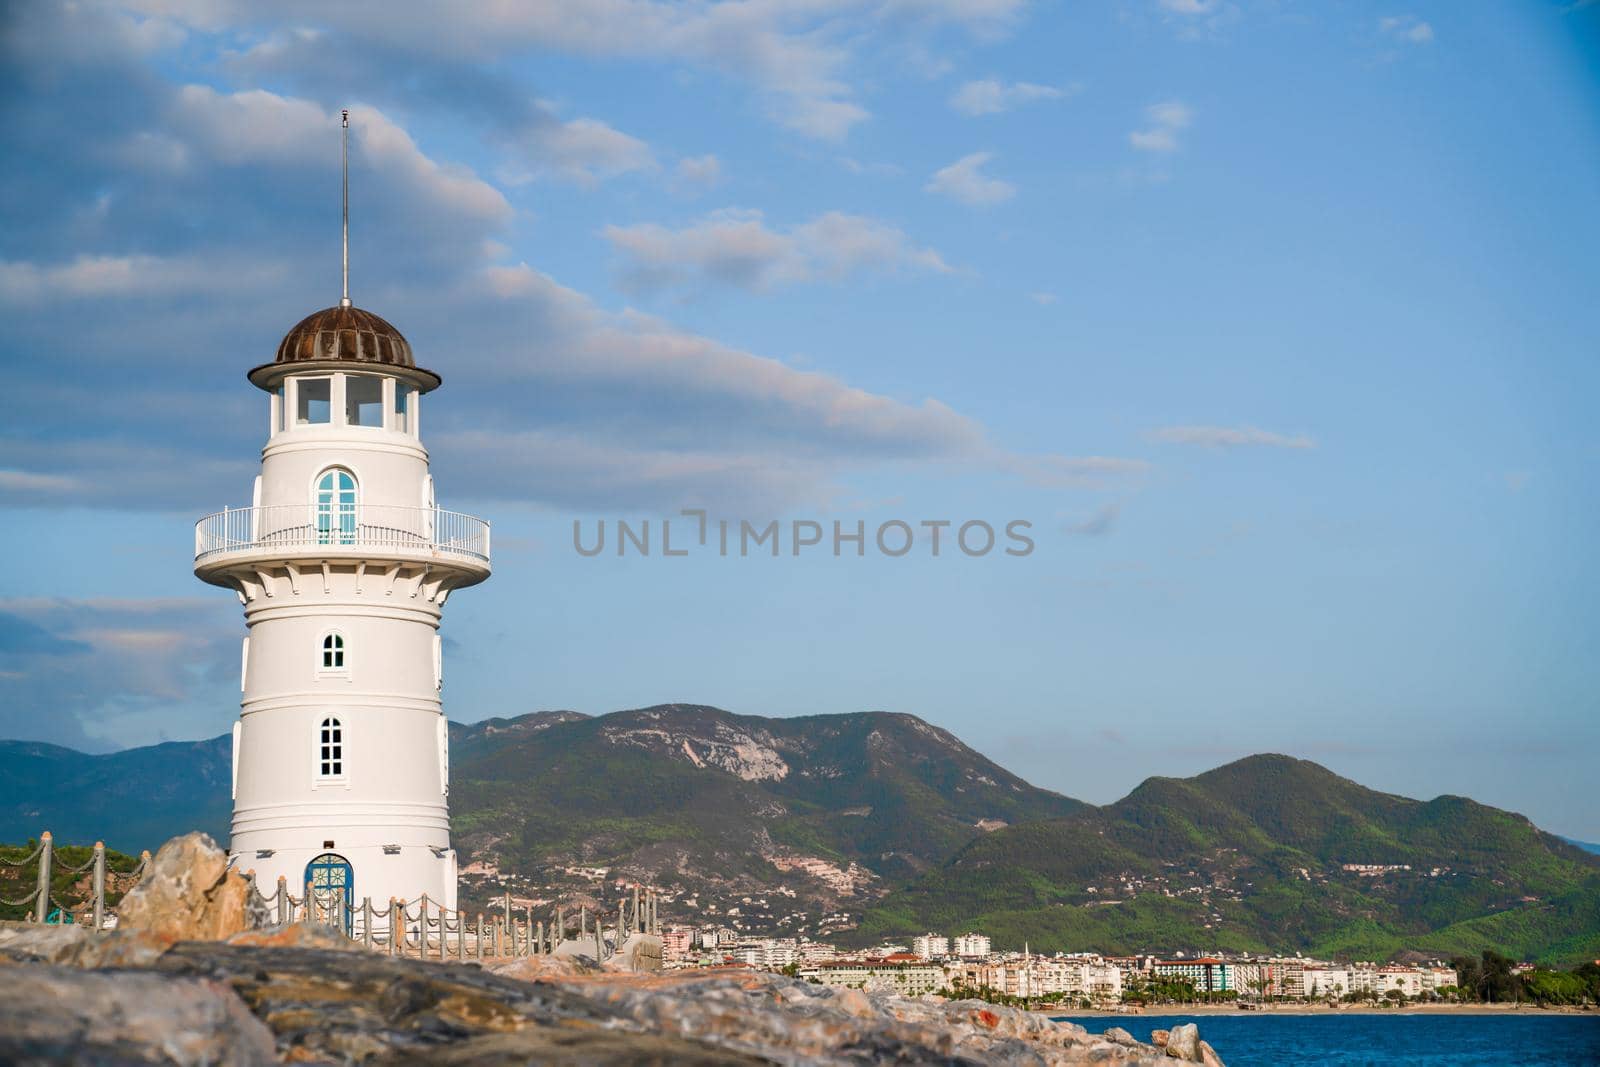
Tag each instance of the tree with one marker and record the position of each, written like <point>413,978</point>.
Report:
<point>1495,981</point>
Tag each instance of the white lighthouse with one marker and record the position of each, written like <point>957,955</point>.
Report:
<point>343,562</point>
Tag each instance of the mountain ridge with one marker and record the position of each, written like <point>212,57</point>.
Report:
<point>873,824</point>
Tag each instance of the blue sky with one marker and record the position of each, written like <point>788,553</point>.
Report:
<point>1276,320</point>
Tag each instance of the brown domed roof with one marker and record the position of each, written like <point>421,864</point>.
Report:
<point>343,335</point>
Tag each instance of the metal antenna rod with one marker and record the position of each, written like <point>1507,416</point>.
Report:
<point>344,159</point>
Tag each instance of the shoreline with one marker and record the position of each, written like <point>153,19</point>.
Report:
<point>1168,1010</point>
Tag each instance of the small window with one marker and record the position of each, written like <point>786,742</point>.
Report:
<point>330,762</point>
<point>402,407</point>
<point>313,401</point>
<point>333,652</point>
<point>279,411</point>
<point>363,400</point>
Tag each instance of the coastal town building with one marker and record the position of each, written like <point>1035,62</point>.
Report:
<point>676,944</point>
<point>908,975</point>
<point>1208,974</point>
<point>970,945</point>
<point>931,946</point>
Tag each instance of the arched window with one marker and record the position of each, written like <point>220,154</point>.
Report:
<point>336,507</point>
<point>331,763</point>
<point>333,652</point>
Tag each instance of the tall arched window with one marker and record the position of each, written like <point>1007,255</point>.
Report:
<point>333,652</point>
<point>331,763</point>
<point>336,507</point>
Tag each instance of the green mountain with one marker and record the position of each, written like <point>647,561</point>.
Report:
<point>805,816</point>
<point>1267,853</point>
<point>876,825</point>
<point>132,800</point>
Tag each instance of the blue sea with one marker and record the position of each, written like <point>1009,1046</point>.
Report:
<point>1256,1040</point>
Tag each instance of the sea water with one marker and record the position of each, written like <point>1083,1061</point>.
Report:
<point>1249,1040</point>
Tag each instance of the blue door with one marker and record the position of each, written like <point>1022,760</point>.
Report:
<point>331,878</point>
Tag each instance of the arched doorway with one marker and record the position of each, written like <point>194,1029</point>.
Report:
<point>333,882</point>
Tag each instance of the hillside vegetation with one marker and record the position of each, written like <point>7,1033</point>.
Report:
<point>880,825</point>
<point>1253,855</point>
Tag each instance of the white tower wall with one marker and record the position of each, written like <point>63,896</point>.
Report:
<point>374,573</point>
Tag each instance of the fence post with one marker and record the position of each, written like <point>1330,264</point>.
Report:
<point>99,885</point>
<point>41,909</point>
<point>282,900</point>
<point>366,921</point>
<point>480,935</point>
<point>422,928</point>
<point>394,927</point>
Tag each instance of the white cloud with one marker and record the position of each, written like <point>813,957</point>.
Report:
<point>640,411</point>
<point>701,172</point>
<point>738,248</point>
<point>991,96</point>
<point>1165,120</point>
<point>25,481</point>
<point>128,276</point>
<point>964,180</point>
<point>1043,299</point>
<point>797,53</point>
<point>1191,7</point>
<point>256,128</point>
<point>111,671</point>
<point>825,120</point>
<point>587,150</point>
<point>1229,437</point>
<point>1406,28</point>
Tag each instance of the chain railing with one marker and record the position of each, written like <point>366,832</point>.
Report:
<point>91,912</point>
<point>334,528</point>
<point>424,928</point>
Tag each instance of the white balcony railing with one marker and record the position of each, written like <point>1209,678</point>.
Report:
<point>342,530</point>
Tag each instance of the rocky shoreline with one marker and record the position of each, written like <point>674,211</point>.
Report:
<point>190,978</point>
<point>305,995</point>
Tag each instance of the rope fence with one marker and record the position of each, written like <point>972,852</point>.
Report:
<point>91,912</point>
<point>422,928</point>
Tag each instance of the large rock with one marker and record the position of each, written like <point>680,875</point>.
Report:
<point>78,946</point>
<point>189,893</point>
<point>1183,1042</point>
<point>52,1015</point>
<point>297,935</point>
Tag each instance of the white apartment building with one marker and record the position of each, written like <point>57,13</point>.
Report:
<point>931,946</point>
<point>910,978</point>
<point>970,944</point>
